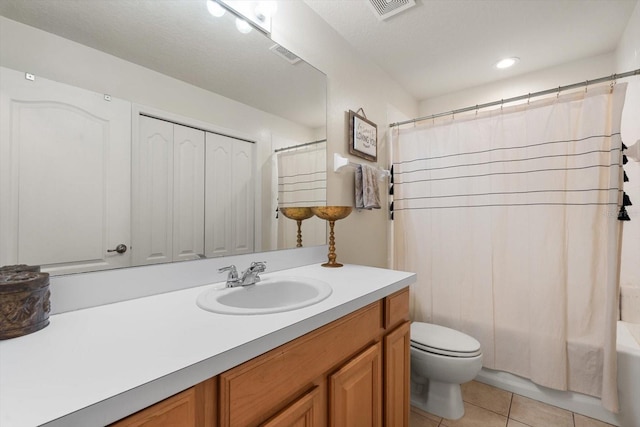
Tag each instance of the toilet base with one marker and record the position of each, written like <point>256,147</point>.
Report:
<point>437,398</point>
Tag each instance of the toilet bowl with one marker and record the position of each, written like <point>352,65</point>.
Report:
<point>441,360</point>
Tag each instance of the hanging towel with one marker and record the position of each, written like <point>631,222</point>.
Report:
<point>367,192</point>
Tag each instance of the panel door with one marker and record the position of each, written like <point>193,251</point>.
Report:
<point>218,196</point>
<point>304,412</point>
<point>355,398</point>
<point>396,376</point>
<point>188,193</point>
<point>65,168</point>
<point>243,197</point>
<point>153,163</point>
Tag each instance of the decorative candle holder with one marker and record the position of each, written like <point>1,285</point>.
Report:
<point>332,214</point>
<point>298,215</point>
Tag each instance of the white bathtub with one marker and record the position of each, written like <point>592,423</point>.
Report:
<point>628,385</point>
<point>629,374</point>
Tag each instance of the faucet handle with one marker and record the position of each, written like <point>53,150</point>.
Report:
<point>233,272</point>
<point>258,266</point>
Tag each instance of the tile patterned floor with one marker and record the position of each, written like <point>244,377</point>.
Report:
<point>487,406</point>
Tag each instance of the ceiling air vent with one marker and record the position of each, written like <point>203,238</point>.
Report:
<point>285,53</point>
<point>385,9</point>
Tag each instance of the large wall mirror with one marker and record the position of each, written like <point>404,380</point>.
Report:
<point>154,126</point>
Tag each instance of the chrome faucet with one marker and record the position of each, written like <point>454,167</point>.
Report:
<point>248,277</point>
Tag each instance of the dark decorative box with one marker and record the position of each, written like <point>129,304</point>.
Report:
<point>24,300</point>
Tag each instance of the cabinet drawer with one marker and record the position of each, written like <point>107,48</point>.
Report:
<point>396,308</point>
<point>258,389</point>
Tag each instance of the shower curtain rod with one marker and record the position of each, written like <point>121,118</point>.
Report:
<point>300,145</point>
<point>611,78</point>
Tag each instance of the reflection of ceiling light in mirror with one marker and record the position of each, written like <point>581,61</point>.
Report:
<point>243,26</point>
<point>215,9</point>
<point>507,62</point>
<point>258,13</point>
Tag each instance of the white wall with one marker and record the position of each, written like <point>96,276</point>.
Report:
<point>565,74</point>
<point>628,59</point>
<point>353,82</point>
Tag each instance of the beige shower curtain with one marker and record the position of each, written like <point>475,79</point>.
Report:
<point>510,220</point>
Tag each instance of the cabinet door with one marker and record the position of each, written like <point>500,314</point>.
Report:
<point>396,376</point>
<point>194,407</point>
<point>356,391</point>
<point>304,412</point>
<point>152,220</point>
<point>188,193</point>
<point>65,176</point>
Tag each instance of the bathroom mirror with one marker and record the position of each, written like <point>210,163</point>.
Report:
<point>174,62</point>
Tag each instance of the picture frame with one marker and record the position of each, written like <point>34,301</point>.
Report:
<point>363,137</point>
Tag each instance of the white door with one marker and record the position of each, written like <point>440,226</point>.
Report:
<point>65,172</point>
<point>229,196</point>
<point>243,197</point>
<point>188,193</point>
<point>153,164</point>
<point>218,212</point>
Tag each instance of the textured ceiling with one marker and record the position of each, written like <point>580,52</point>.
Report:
<point>441,46</point>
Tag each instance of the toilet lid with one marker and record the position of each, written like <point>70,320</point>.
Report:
<point>442,340</point>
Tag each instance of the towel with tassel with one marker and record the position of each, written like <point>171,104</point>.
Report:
<point>367,192</point>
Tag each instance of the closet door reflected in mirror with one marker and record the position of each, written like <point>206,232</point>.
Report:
<point>168,192</point>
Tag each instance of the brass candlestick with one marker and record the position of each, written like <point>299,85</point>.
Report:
<point>298,215</point>
<point>332,214</point>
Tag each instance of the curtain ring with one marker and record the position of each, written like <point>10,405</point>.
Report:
<point>501,103</point>
<point>558,94</point>
<point>586,86</point>
<point>529,98</point>
<point>476,109</point>
<point>613,82</point>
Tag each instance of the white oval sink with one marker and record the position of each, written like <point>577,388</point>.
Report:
<point>270,295</point>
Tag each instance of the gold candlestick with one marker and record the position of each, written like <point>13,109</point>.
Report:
<point>332,214</point>
<point>298,215</point>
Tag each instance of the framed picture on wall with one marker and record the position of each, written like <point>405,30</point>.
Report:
<point>363,137</point>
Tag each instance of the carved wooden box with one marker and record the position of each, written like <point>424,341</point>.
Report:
<point>24,301</point>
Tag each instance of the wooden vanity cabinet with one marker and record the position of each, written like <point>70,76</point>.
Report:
<point>352,372</point>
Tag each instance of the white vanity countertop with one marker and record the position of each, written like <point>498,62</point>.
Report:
<point>94,366</point>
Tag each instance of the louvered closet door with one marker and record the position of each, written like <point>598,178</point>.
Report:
<point>65,171</point>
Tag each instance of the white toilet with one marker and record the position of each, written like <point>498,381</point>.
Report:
<point>441,360</point>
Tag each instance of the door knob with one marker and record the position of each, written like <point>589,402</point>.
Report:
<point>121,248</point>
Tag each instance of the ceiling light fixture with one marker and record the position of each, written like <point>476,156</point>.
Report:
<point>215,9</point>
<point>507,62</point>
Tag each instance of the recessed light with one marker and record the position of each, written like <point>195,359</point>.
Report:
<point>507,62</point>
